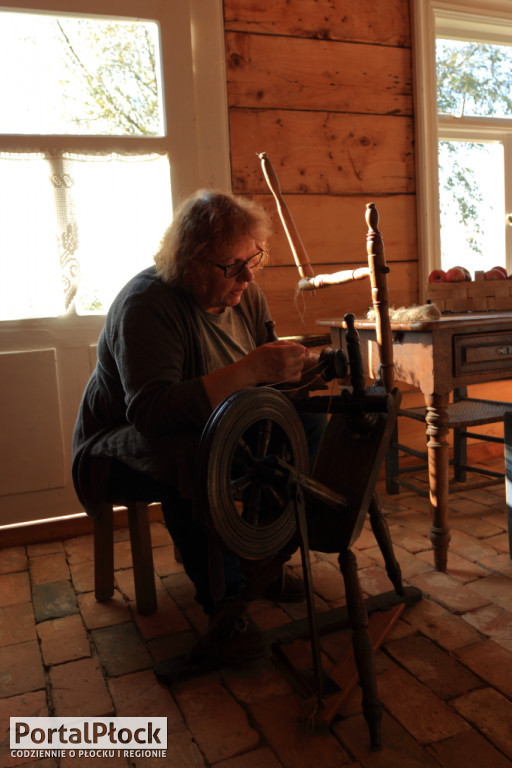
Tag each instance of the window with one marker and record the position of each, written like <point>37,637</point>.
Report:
<point>101,129</point>
<point>463,58</point>
<point>184,140</point>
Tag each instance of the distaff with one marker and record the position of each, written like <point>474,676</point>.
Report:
<point>299,252</point>
<point>376,271</point>
<point>308,281</point>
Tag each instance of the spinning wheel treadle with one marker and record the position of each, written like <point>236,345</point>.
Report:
<point>245,449</point>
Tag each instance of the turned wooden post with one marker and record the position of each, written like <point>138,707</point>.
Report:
<point>380,297</point>
<point>436,419</point>
<point>362,645</point>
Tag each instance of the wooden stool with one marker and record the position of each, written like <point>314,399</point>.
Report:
<point>142,554</point>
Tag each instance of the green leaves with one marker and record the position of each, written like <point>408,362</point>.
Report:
<point>112,82</point>
<point>473,78</point>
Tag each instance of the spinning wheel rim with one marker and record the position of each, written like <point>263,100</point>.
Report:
<point>221,442</point>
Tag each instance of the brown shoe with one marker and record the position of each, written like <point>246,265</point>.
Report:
<point>272,579</point>
<point>244,642</point>
<point>232,635</point>
<point>287,588</point>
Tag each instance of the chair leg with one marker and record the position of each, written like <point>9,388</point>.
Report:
<point>508,475</point>
<point>142,557</point>
<point>392,463</point>
<point>460,454</point>
<point>362,644</point>
<point>104,554</point>
<point>460,442</point>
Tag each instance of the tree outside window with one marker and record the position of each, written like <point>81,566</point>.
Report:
<point>84,200</point>
<point>474,104</point>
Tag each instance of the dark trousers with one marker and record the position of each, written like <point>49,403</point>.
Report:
<point>187,532</point>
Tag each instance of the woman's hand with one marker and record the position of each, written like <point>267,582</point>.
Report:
<point>272,363</point>
<point>276,362</point>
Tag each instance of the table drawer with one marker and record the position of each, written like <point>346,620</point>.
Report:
<point>480,352</point>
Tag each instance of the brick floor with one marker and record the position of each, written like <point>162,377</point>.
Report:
<point>444,671</point>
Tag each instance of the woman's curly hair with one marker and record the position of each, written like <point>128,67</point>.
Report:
<point>208,222</point>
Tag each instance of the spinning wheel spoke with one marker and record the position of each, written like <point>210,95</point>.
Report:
<point>284,453</point>
<point>276,498</point>
<point>264,436</point>
<point>239,485</point>
<point>244,453</point>
<point>252,486</point>
<point>244,499</point>
<point>252,506</point>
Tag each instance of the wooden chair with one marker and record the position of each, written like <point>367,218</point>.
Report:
<point>508,475</point>
<point>464,413</point>
<point>142,553</point>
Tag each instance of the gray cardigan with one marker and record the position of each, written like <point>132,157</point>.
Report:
<point>146,392</point>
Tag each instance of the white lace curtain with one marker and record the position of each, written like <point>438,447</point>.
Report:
<point>74,228</point>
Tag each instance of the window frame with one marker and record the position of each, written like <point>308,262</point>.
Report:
<point>478,20</point>
<point>196,138</point>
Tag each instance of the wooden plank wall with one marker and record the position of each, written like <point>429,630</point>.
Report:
<point>325,89</point>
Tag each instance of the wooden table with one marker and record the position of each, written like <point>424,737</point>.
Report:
<point>437,357</point>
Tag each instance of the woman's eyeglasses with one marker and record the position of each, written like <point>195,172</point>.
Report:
<point>234,269</point>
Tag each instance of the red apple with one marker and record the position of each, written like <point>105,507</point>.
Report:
<point>436,276</point>
<point>466,272</point>
<point>455,275</point>
<point>502,269</point>
<point>495,274</point>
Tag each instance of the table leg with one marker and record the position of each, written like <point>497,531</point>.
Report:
<point>438,469</point>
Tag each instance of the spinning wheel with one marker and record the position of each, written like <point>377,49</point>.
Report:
<point>255,493</point>
<point>248,447</point>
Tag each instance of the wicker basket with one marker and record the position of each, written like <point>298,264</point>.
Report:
<point>479,295</point>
